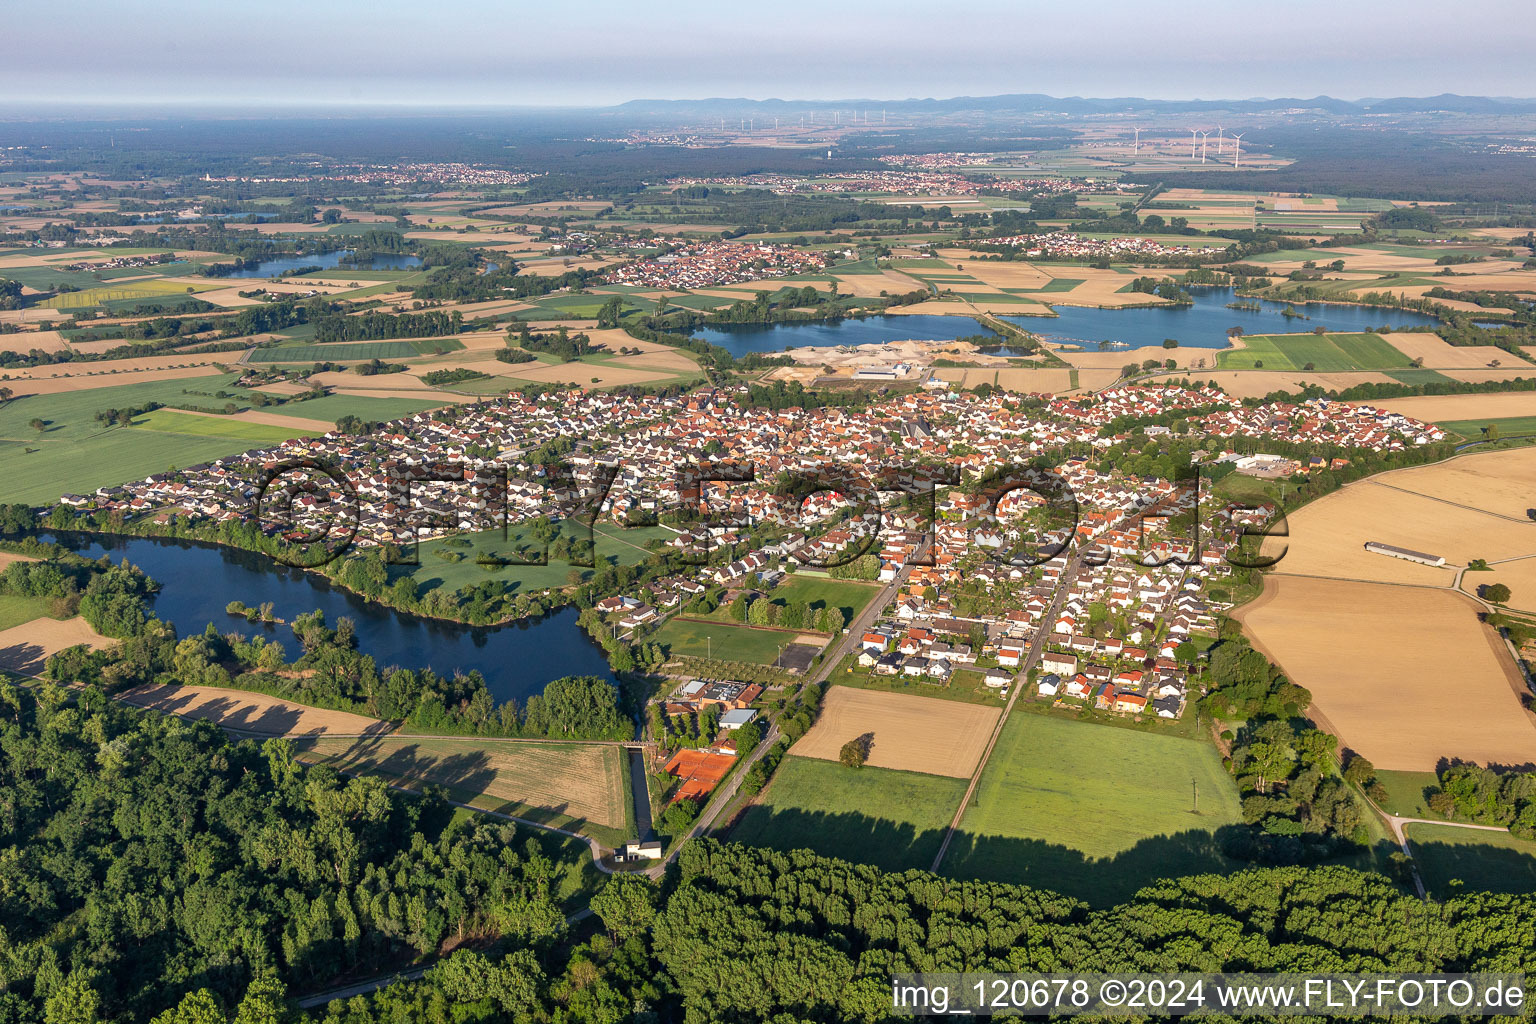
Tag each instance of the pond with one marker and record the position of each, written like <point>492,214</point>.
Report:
<point>1205,324</point>
<point>198,580</point>
<point>742,339</point>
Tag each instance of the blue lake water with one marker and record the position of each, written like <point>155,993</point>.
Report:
<point>197,580</point>
<point>742,339</point>
<point>392,261</point>
<point>1201,325</point>
<point>1205,324</point>
<point>283,264</point>
<point>328,261</point>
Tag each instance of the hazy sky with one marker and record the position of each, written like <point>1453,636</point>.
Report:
<point>332,52</point>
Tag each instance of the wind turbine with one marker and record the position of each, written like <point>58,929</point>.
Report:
<point>1135,142</point>
<point>1203,137</point>
<point>1192,133</point>
<point>1237,149</point>
<point>1220,141</point>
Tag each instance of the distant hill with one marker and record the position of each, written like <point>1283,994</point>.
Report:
<point>1036,102</point>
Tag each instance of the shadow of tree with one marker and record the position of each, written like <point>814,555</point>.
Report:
<point>25,658</point>
<point>893,846</point>
<point>1479,866</point>
<point>469,778</point>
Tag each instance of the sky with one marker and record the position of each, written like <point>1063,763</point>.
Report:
<point>331,53</point>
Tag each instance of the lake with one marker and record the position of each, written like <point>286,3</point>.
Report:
<point>328,261</point>
<point>282,264</point>
<point>742,339</point>
<point>198,580</point>
<point>1202,325</point>
<point>1205,324</point>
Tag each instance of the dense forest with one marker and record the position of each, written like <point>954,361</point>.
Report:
<point>143,857</point>
<point>153,865</point>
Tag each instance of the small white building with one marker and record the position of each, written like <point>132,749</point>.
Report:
<point>737,717</point>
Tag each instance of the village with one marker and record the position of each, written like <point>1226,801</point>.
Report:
<point>996,593</point>
<point>706,264</point>
<point>1069,245</point>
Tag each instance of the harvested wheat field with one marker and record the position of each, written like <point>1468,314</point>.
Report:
<point>88,381</point>
<point>580,781</point>
<point>1406,676</point>
<point>1328,537</point>
<point>871,285</point>
<point>914,734</point>
<point>1502,482</point>
<point>1445,408</point>
<point>1505,372</point>
<point>1437,355</point>
<point>245,711</point>
<point>26,648</point>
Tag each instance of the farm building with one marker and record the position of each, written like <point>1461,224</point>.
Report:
<point>1379,548</point>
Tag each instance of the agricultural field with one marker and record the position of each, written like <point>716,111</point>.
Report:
<point>1326,353</point>
<point>336,351</point>
<point>892,819</point>
<point>75,453</point>
<point>1417,679</point>
<point>614,546</point>
<point>104,294</point>
<point>1474,506</point>
<point>334,407</point>
<point>1093,811</point>
<point>909,733</point>
<point>1507,426</point>
<point>248,711</point>
<point>26,648</point>
<point>167,421</point>
<point>582,787</point>
<point>1453,859</point>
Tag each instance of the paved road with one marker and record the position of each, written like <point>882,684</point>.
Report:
<point>831,658</point>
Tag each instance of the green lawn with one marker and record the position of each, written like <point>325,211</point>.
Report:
<point>1481,861</point>
<point>76,453</point>
<point>335,351</point>
<point>1405,793</point>
<point>348,350</point>
<point>1327,353</point>
<point>334,407</point>
<point>15,610</point>
<point>1093,811</point>
<point>722,641</point>
<point>615,546</point>
<point>171,422</point>
<point>821,592</point>
<point>1417,376</point>
<point>1508,425</point>
<point>893,820</point>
